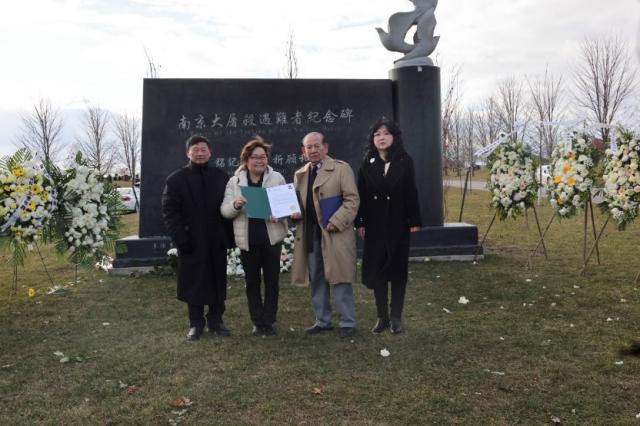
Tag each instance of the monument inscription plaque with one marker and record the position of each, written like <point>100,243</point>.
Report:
<point>230,111</point>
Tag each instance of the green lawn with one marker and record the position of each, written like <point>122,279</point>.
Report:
<point>531,346</point>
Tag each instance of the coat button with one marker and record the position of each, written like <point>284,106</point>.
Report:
<point>388,198</point>
<point>375,197</point>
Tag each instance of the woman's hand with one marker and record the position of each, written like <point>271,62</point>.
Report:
<point>414,229</point>
<point>361,232</point>
<point>239,203</point>
<point>273,219</point>
<point>296,216</point>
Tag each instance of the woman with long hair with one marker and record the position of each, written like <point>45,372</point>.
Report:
<point>389,212</point>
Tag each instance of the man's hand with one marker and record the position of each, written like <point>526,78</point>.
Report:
<point>331,227</point>
<point>361,232</point>
<point>414,229</point>
<point>273,219</point>
<point>296,216</point>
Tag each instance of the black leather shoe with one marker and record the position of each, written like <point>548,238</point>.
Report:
<point>194,334</point>
<point>269,330</point>
<point>220,330</point>
<point>256,331</point>
<point>396,326</point>
<point>381,325</point>
<point>346,332</point>
<point>315,329</point>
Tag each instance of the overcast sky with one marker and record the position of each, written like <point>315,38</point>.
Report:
<point>72,51</point>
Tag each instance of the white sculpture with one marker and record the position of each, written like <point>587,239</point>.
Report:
<point>424,42</point>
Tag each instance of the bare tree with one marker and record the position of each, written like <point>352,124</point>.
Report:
<point>511,107</point>
<point>152,71</point>
<point>41,131</point>
<point>487,122</point>
<point>546,102</point>
<point>469,135</point>
<point>450,106</point>
<point>127,130</point>
<point>291,65</point>
<point>604,78</point>
<point>94,144</point>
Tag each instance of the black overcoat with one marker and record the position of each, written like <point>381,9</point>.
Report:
<point>388,208</point>
<point>191,211</point>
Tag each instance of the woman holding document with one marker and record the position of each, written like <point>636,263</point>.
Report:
<point>389,212</point>
<point>260,240</point>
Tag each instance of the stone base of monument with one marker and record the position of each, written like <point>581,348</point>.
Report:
<point>139,255</point>
<point>452,241</point>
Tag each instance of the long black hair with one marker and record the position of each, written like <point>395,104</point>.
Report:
<point>396,149</point>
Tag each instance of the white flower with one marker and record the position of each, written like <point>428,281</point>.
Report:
<point>463,300</point>
<point>384,352</point>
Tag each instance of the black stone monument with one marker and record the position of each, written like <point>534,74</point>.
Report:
<point>230,111</point>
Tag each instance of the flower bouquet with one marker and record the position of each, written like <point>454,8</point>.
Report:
<point>511,180</point>
<point>286,256</point>
<point>622,180</point>
<point>89,214</point>
<point>572,175</point>
<point>27,201</point>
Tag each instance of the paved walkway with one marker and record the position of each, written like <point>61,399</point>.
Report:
<point>459,183</point>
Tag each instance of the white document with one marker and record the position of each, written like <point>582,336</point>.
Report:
<point>283,200</point>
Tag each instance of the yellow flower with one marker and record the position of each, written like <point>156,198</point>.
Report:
<point>557,179</point>
<point>44,196</point>
<point>17,171</point>
<point>35,188</point>
<point>566,168</point>
<point>6,188</point>
<point>31,292</point>
<point>571,181</point>
<point>571,156</point>
<point>31,206</point>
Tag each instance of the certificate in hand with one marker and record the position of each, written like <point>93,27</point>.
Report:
<point>257,206</point>
<point>283,200</point>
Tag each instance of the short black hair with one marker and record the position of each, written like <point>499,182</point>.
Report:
<point>196,139</point>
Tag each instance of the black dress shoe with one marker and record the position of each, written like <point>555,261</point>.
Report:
<point>269,330</point>
<point>381,325</point>
<point>256,331</point>
<point>194,334</point>
<point>346,332</point>
<point>220,330</point>
<point>396,326</point>
<point>315,329</point>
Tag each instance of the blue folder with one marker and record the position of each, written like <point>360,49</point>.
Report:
<point>328,207</point>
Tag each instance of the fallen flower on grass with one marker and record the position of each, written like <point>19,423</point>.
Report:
<point>106,323</point>
<point>384,352</point>
<point>446,310</point>
<point>317,391</point>
<point>497,373</point>
<point>609,319</point>
<point>528,280</point>
<point>619,363</point>
<point>556,419</point>
<point>463,300</point>
<point>31,292</point>
<point>133,389</point>
<point>638,416</point>
<point>181,403</point>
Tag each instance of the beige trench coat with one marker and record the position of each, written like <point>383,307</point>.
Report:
<point>338,248</point>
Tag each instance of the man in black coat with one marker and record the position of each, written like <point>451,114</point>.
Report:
<point>191,211</point>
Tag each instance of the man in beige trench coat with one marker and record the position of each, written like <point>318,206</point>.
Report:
<point>326,256</point>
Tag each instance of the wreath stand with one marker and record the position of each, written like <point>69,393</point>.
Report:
<point>535,214</point>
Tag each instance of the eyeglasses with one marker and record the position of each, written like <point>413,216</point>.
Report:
<point>258,157</point>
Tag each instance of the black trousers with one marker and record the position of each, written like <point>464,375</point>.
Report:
<point>381,293</point>
<point>262,263</point>
<point>196,315</point>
